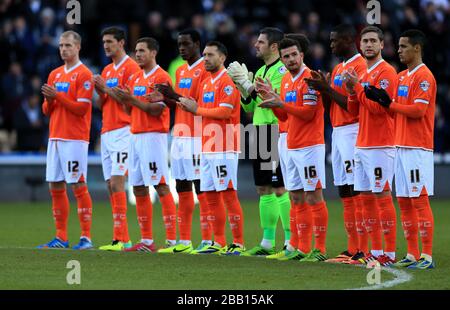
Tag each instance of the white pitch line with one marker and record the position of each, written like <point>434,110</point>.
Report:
<point>400,277</point>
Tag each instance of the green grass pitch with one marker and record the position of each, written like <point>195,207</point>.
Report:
<point>26,225</point>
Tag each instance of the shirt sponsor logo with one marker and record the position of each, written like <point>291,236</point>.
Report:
<point>62,87</point>
<point>403,91</point>
<point>185,84</point>
<point>424,85</point>
<point>338,80</point>
<point>208,97</point>
<point>139,90</point>
<point>228,90</point>
<point>291,96</point>
<point>112,82</point>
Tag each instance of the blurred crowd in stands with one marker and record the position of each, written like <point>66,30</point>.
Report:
<point>29,32</point>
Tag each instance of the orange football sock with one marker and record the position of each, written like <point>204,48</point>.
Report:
<point>372,221</point>
<point>363,236</point>
<point>426,222</point>
<point>205,217</point>
<point>320,225</point>
<point>293,241</point>
<point>186,207</point>
<point>350,224</point>
<point>144,210</point>
<point>84,203</point>
<point>408,216</point>
<point>304,219</point>
<point>120,216</point>
<point>388,218</point>
<point>60,208</point>
<point>218,216</point>
<point>169,211</point>
<point>235,215</point>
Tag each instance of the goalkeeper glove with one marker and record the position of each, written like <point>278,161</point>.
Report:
<point>378,95</point>
<point>242,78</point>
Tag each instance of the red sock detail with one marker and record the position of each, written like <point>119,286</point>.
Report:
<point>426,222</point>
<point>144,210</point>
<point>388,218</point>
<point>60,208</point>
<point>186,207</point>
<point>363,236</point>
<point>410,224</point>
<point>371,217</point>
<point>218,216</point>
<point>293,225</point>
<point>235,215</point>
<point>120,217</point>
<point>84,203</point>
<point>304,219</point>
<point>169,211</point>
<point>205,218</point>
<point>350,224</point>
<point>320,225</point>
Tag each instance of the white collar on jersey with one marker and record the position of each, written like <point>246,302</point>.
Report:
<point>415,69</point>
<point>344,63</point>
<point>146,75</point>
<point>218,76</point>
<point>79,63</point>
<point>120,62</point>
<point>195,64</point>
<point>302,69</point>
<point>375,65</point>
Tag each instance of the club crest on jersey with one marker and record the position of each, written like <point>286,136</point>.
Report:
<point>139,90</point>
<point>87,85</point>
<point>228,90</point>
<point>291,96</point>
<point>113,82</point>
<point>62,87</point>
<point>208,97</point>
<point>74,77</point>
<point>282,70</point>
<point>185,83</point>
<point>403,91</point>
<point>384,84</point>
<point>338,80</point>
<point>121,72</point>
<point>197,73</point>
<point>424,85</point>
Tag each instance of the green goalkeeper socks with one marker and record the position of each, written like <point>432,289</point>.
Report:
<point>269,212</point>
<point>285,207</point>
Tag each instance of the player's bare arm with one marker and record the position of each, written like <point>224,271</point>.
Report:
<point>125,96</point>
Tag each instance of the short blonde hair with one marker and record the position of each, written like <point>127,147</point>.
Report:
<point>72,33</point>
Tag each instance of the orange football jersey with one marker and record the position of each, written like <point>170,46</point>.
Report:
<point>77,85</point>
<point>188,82</point>
<point>416,87</point>
<point>220,135</point>
<point>376,125</point>
<point>295,91</point>
<point>338,116</point>
<point>140,85</point>
<point>114,116</point>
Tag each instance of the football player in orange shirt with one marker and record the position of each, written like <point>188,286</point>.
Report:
<point>345,130</point>
<point>115,137</point>
<point>375,150</point>
<point>414,106</point>
<point>68,103</point>
<point>219,106</point>
<point>148,146</point>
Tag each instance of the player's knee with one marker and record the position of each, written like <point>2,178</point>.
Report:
<point>197,187</point>
<point>183,186</point>
<point>346,191</point>
<point>313,198</point>
<point>78,185</point>
<point>117,184</point>
<point>279,191</point>
<point>296,197</point>
<point>162,190</point>
<point>140,191</point>
<point>57,185</point>
<point>264,190</point>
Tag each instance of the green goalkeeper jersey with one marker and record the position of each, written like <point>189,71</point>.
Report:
<point>274,73</point>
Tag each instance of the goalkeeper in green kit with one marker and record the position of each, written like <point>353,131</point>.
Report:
<point>274,201</point>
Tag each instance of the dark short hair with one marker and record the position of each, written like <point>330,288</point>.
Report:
<point>116,32</point>
<point>222,48</point>
<point>286,43</point>
<point>345,30</point>
<point>195,35</point>
<point>415,37</point>
<point>274,35</point>
<point>302,40</point>
<point>375,29</point>
<point>152,44</point>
